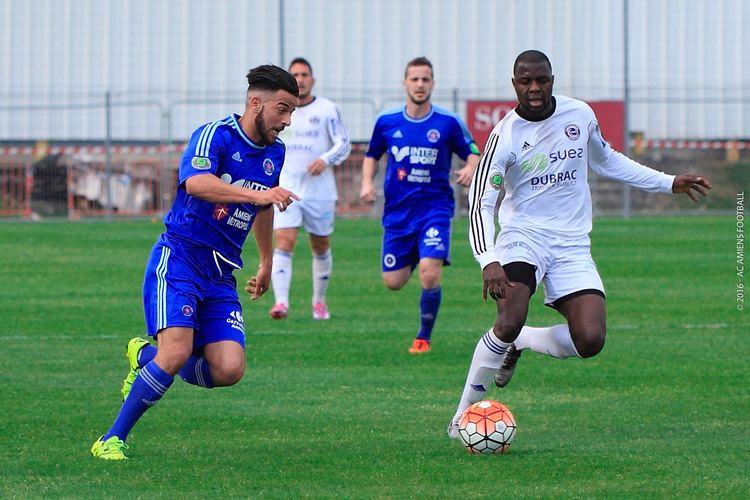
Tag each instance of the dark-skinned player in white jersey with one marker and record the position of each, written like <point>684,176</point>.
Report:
<point>540,153</point>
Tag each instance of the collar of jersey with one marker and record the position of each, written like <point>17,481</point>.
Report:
<point>418,120</point>
<point>236,126</point>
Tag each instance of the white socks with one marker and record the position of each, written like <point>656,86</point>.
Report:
<point>281,276</point>
<point>321,274</point>
<point>553,341</point>
<point>487,356</point>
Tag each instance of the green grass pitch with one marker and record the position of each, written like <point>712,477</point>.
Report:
<point>339,409</point>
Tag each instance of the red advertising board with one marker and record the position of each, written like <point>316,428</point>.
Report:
<point>482,116</point>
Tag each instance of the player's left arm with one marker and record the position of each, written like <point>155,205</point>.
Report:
<point>691,184</point>
<point>466,148</point>
<point>607,162</point>
<point>263,233</point>
<point>340,147</point>
<point>466,173</point>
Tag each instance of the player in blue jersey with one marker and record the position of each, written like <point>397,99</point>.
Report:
<point>420,140</point>
<point>228,182</point>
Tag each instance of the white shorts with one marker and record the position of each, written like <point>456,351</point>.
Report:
<point>564,266</point>
<point>315,215</point>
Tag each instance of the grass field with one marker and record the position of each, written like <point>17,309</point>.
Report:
<point>338,409</point>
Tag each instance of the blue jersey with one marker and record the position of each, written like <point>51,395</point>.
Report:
<point>222,149</point>
<point>417,176</point>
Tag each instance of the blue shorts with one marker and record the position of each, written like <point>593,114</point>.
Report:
<point>404,247</point>
<point>188,286</point>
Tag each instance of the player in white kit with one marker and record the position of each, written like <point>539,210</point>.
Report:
<point>540,153</point>
<point>316,142</point>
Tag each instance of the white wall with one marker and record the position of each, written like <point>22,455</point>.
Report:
<point>172,64</point>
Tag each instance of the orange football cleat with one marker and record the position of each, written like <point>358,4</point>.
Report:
<point>419,346</point>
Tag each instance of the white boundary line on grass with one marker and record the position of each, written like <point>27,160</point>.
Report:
<point>687,326</point>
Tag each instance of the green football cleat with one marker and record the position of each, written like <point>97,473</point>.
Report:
<point>111,449</point>
<point>134,347</point>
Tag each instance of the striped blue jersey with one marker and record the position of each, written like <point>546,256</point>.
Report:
<point>417,175</point>
<point>222,149</point>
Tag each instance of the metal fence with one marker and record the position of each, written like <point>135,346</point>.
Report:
<point>77,182</point>
<point>130,167</point>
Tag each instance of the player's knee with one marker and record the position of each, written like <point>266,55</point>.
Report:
<point>429,278</point>
<point>507,329</point>
<point>173,358</point>
<point>392,283</point>
<point>589,341</point>
<point>228,373</point>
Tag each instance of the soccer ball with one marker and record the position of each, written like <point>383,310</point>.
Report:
<point>487,427</point>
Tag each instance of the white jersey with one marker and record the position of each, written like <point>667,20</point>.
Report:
<point>543,166</point>
<point>317,131</point>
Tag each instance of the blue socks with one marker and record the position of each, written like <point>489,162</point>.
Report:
<point>428,306</point>
<point>195,371</point>
<point>148,388</point>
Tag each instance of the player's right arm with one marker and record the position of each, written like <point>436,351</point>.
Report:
<point>199,172</point>
<point>369,170</point>
<point>374,151</point>
<point>210,188</point>
<point>483,193</point>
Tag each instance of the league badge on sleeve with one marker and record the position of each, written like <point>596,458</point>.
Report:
<point>496,181</point>
<point>201,163</point>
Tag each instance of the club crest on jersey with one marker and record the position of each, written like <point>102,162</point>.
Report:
<point>187,310</point>
<point>496,181</point>
<point>268,166</point>
<point>572,131</point>
<point>433,135</point>
<point>200,163</point>
<point>220,211</point>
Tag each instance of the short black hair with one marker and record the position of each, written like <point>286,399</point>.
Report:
<point>301,60</point>
<point>531,56</point>
<point>271,78</point>
<point>419,61</point>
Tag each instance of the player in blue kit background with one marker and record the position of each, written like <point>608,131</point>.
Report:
<point>229,178</point>
<point>420,140</point>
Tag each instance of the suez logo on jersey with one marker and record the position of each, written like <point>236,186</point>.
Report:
<point>539,163</point>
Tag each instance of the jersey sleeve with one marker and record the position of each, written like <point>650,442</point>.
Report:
<point>483,194</point>
<point>202,153</point>
<point>377,145</point>
<point>607,162</point>
<point>461,141</point>
<point>337,132</point>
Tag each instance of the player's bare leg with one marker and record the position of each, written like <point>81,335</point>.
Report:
<point>587,321</point>
<point>227,362</point>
